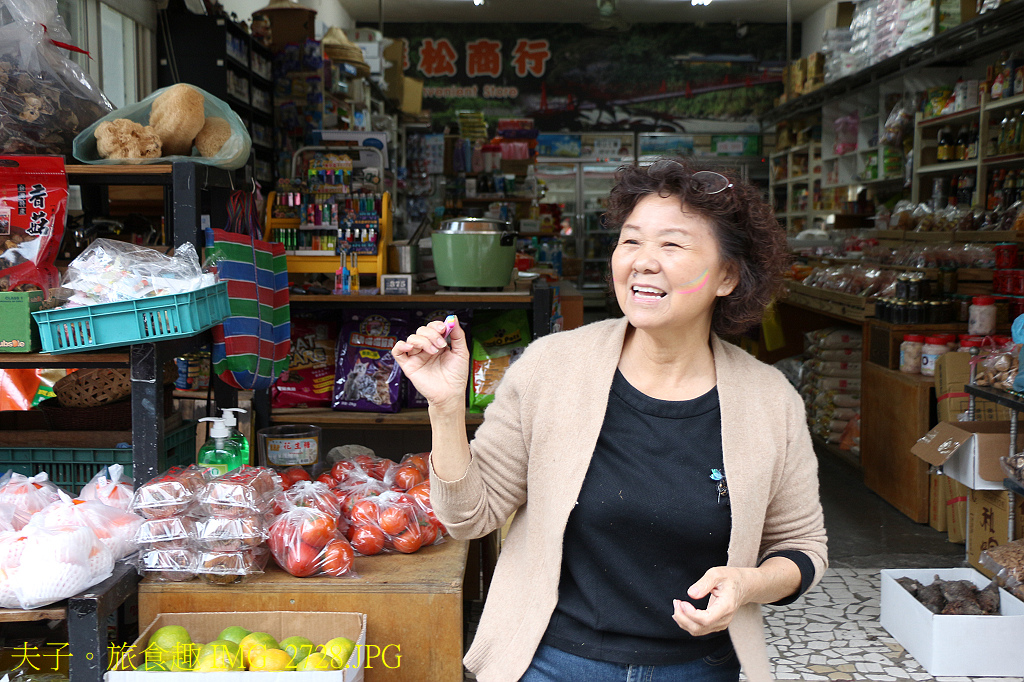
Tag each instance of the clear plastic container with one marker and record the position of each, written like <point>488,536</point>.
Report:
<point>981,319</point>
<point>934,348</point>
<point>910,353</point>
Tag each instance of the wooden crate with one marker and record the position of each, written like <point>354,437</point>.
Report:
<point>849,306</point>
<point>413,600</point>
<point>882,340</point>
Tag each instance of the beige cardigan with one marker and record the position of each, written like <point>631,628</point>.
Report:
<point>534,448</point>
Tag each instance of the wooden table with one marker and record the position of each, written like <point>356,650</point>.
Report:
<point>413,600</point>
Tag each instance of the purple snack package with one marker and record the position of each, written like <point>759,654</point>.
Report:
<point>413,398</point>
<point>367,378</point>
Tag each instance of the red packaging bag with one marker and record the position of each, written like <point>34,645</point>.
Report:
<point>33,205</point>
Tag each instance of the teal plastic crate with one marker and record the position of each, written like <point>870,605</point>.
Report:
<point>144,320</point>
<point>72,468</point>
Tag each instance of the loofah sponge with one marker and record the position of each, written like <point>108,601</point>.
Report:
<point>216,131</point>
<point>124,139</point>
<point>177,116</point>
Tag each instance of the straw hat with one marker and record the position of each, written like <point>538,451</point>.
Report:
<point>339,48</point>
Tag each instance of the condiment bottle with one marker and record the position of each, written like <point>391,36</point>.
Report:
<point>981,319</point>
<point>934,348</point>
<point>910,353</point>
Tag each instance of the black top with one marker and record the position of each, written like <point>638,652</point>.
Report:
<point>648,523</point>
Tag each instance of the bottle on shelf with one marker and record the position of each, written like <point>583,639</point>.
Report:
<point>972,143</point>
<point>995,191</point>
<point>231,422</point>
<point>962,137</point>
<point>954,190</point>
<point>1019,131</point>
<point>1010,189</point>
<point>946,144</point>
<point>965,191</point>
<point>219,452</point>
<point>999,81</point>
<point>1004,135</point>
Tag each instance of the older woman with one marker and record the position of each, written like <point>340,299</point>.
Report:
<point>664,479</point>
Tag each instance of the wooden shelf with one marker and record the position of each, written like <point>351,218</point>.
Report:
<point>116,169</point>
<point>947,166</point>
<point>86,359</point>
<point>322,416</point>
<point>949,118</point>
<point>998,104</point>
<point>491,200</point>
<point>434,299</point>
<point>1007,159</point>
<point>22,615</point>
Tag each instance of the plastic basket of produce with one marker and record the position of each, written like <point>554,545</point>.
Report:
<point>144,320</point>
<point>72,468</point>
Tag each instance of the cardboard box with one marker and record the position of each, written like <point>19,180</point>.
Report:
<point>988,515</point>
<point>954,645</point>
<point>937,502</point>
<point>952,373</point>
<point>968,452</point>
<point>204,627</point>
<point>956,495</point>
<point>18,331</point>
<point>411,99</point>
<point>373,49</point>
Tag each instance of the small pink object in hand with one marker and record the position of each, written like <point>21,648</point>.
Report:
<point>449,325</point>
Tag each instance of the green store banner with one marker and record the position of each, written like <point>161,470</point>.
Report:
<point>714,78</point>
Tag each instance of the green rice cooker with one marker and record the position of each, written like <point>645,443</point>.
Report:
<point>474,253</point>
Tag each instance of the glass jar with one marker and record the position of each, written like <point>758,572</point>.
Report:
<point>914,286</point>
<point>910,353</point>
<point>969,345</point>
<point>902,313</point>
<point>902,286</point>
<point>981,320</point>
<point>963,307</point>
<point>950,339</point>
<point>918,312</point>
<point>934,348</point>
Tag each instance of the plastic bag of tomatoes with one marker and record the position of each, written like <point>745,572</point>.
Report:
<point>410,472</point>
<point>421,495</point>
<point>308,494</point>
<point>306,542</point>
<point>390,521</point>
<point>293,475</point>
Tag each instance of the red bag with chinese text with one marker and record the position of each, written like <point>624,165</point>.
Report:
<point>33,203</point>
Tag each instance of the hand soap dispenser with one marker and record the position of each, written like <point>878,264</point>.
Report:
<point>219,452</point>
<point>231,422</point>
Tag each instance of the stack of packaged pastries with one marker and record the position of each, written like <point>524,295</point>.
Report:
<point>831,385</point>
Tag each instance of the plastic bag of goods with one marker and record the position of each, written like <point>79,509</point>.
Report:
<point>169,493</point>
<point>1006,562</point>
<point>359,466</point>
<point>39,566</point>
<point>45,97</point>
<point>410,472</point>
<point>27,493</point>
<point>228,568</point>
<point>367,378</point>
<point>306,542</point>
<point>116,529</point>
<point>12,518</point>
<point>33,204</point>
<point>390,521</point>
<point>315,494</point>
<point>109,486</point>
<point>244,491</point>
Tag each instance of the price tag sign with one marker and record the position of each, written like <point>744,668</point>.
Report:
<point>286,452</point>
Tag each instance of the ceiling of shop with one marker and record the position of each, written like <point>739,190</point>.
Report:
<point>581,11</point>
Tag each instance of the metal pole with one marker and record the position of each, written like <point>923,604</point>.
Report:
<point>380,16</point>
<point>789,34</point>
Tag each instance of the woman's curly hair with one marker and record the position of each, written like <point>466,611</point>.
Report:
<point>749,237</point>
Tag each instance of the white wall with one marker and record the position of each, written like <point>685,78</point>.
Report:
<point>813,28</point>
<point>328,12</point>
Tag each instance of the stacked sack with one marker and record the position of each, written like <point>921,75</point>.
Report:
<point>831,384</point>
<point>210,527</point>
<point>52,546</point>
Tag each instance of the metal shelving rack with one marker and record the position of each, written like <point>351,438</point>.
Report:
<point>1016,405</point>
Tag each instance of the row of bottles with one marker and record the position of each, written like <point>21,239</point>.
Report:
<point>226,449</point>
<point>963,146</point>
<point>1005,137</point>
<point>1005,188</point>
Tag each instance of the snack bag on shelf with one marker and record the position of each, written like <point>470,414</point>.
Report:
<point>39,566</point>
<point>367,378</point>
<point>168,565</point>
<point>230,534</point>
<point>169,493</point>
<point>27,493</point>
<point>110,487</point>
<point>227,568</point>
<point>244,491</point>
<point>306,541</point>
<point>169,532</point>
<point>33,202</point>
<point>12,518</point>
<point>997,364</point>
<point>497,343</point>
<point>116,529</point>
<point>309,381</point>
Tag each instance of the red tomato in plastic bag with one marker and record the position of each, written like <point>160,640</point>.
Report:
<point>301,560</point>
<point>368,540</point>
<point>342,470</point>
<point>317,531</point>
<point>428,534</point>
<point>327,479</point>
<point>409,541</point>
<point>278,539</point>
<point>394,520</point>
<point>365,512</point>
<point>421,493</point>
<point>419,460</point>
<point>338,557</point>
<point>408,476</point>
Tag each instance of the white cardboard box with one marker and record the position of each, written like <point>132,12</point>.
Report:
<point>204,627</point>
<point>977,646</point>
<point>968,452</point>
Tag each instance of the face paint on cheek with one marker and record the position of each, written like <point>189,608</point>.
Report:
<point>695,285</point>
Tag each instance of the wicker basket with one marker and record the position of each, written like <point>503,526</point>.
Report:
<point>93,387</point>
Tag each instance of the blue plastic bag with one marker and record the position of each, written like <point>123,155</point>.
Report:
<point>1017,331</point>
<point>231,156</point>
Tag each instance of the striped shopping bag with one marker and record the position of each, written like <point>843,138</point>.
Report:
<point>251,347</point>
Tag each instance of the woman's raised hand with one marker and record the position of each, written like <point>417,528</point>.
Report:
<point>438,371</point>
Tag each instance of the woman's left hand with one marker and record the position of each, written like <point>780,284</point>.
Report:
<point>728,589</point>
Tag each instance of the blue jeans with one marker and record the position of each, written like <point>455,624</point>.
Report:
<point>553,665</point>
